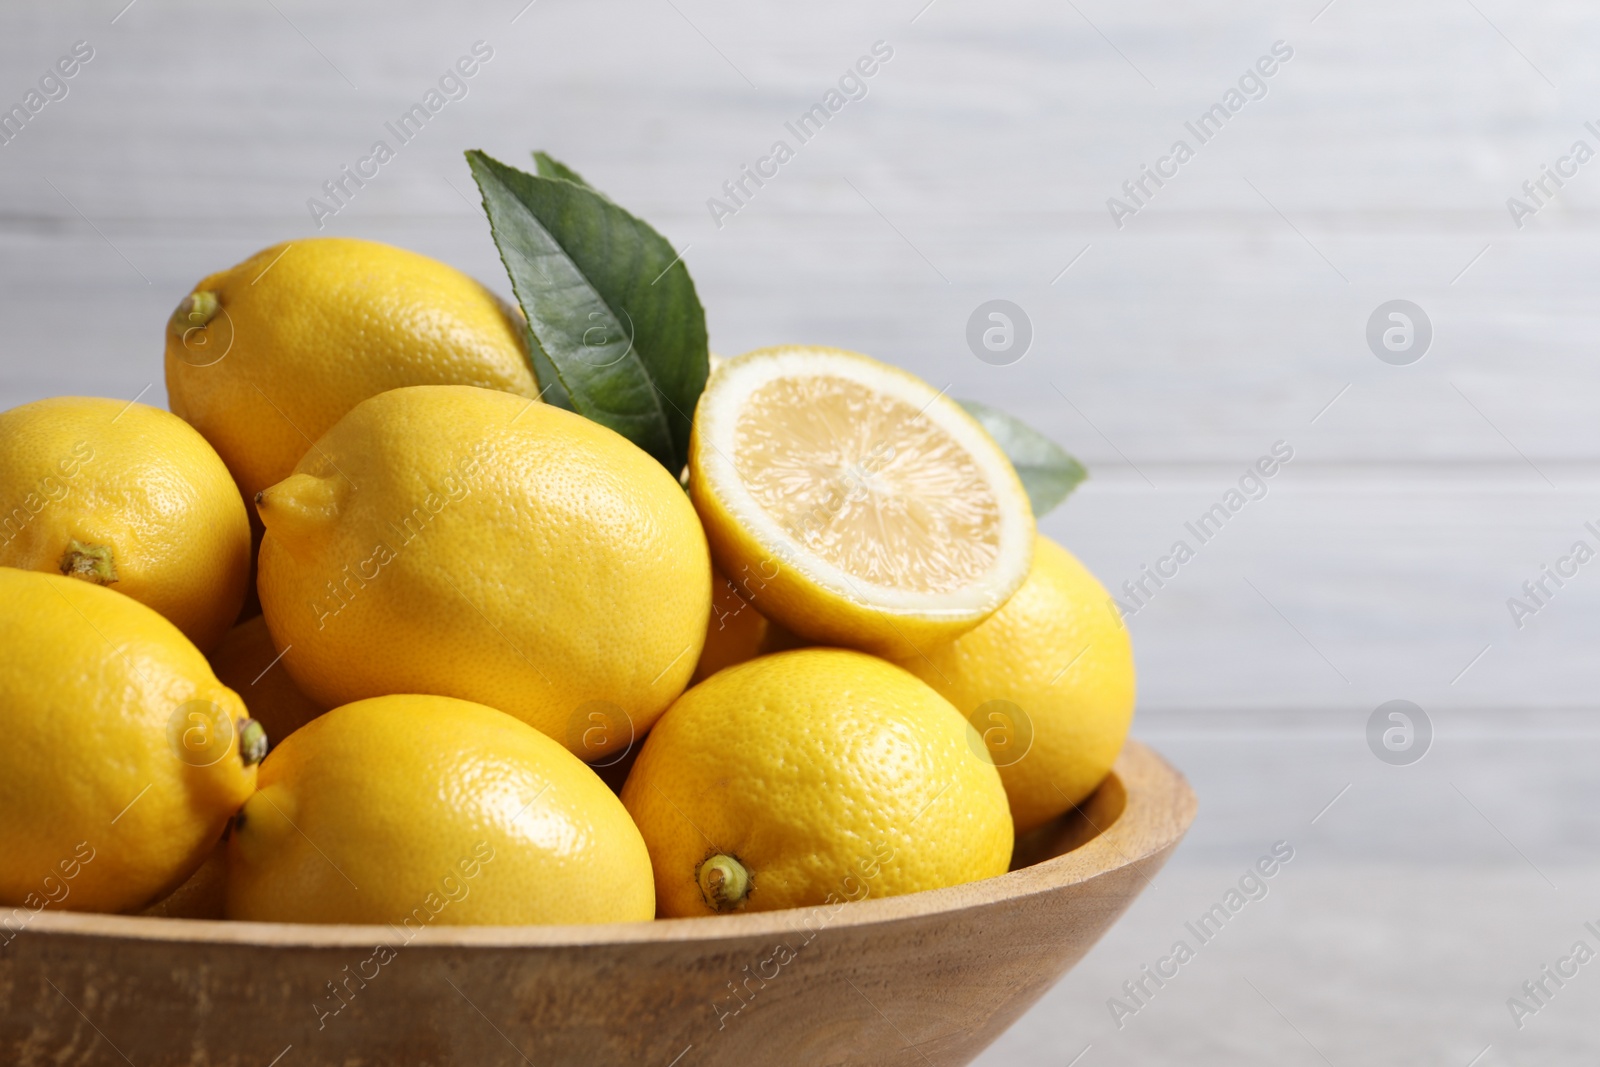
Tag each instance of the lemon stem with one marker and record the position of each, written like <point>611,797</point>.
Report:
<point>92,563</point>
<point>724,883</point>
<point>252,742</point>
<point>196,309</point>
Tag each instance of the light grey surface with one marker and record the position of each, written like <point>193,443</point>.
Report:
<point>1226,315</point>
<point>1414,907</point>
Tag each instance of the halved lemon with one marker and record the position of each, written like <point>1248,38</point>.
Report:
<point>852,502</point>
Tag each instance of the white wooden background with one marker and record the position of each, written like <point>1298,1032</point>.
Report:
<point>1225,316</point>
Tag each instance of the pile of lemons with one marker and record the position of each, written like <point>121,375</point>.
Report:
<point>476,658</point>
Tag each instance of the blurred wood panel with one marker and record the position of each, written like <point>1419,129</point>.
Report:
<point>1227,314</point>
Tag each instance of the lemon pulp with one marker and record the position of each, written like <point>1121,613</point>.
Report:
<point>868,483</point>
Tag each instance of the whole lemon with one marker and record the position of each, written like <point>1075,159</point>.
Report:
<point>423,810</point>
<point>811,777</point>
<point>471,543</point>
<point>1048,681</point>
<point>264,357</point>
<point>247,663</point>
<point>123,758</point>
<point>126,496</point>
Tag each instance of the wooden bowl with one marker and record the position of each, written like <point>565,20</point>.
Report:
<point>928,978</point>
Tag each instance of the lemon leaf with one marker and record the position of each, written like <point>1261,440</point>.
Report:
<point>613,317</point>
<point>1047,472</point>
<point>550,167</point>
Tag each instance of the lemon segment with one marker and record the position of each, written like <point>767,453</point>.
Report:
<point>853,502</point>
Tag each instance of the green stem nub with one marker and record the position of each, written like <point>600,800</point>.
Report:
<point>252,742</point>
<point>724,883</point>
<point>197,309</point>
<point>92,563</point>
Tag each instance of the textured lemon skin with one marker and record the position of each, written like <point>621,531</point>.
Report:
<point>829,774</point>
<point>428,810</point>
<point>1058,651</point>
<point>311,328</point>
<point>786,595</point>
<point>90,683</point>
<point>139,481</point>
<point>246,662</point>
<point>471,543</point>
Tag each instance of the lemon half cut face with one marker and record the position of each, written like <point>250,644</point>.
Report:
<point>854,503</point>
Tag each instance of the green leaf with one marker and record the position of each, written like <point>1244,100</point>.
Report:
<point>550,167</point>
<point>613,317</point>
<point>550,382</point>
<point>1047,472</point>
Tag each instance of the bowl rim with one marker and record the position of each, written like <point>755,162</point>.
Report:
<point>1158,807</point>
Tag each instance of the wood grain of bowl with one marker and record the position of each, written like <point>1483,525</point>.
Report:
<point>928,978</point>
